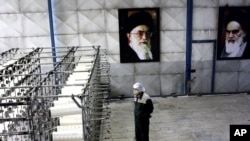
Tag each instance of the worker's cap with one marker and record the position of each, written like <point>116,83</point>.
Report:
<point>139,87</point>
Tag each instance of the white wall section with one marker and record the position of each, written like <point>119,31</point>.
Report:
<point>95,22</point>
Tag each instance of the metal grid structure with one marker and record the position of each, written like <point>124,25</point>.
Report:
<point>41,100</point>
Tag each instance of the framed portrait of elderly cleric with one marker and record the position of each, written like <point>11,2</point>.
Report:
<point>139,35</point>
<point>233,33</point>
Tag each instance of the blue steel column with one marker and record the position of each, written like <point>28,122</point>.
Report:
<point>189,24</point>
<point>52,36</point>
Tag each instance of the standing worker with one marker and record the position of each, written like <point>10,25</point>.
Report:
<point>142,112</point>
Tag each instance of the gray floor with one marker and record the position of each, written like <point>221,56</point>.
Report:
<point>186,118</point>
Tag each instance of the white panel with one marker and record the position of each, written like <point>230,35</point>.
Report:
<point>67,40</point>
<point>7,43</point>
<point>113,4</point>
<point>146,3</point>
<point>173,41</point>
<point>227,66</point>
<point>166,57</point>
<point>233,2</point>
<point>113,59</point>
<point>244,81</point>
<point>205,18</point>
<point>226,82</point>
<point>93,39</point>
<point>90,4</point>
<point>37,21</point>
<point>173,18</point>
<point>64,5</point>
<point>122,85</point>
<point>150,82</point>
<point>172,67</point>
<point>202,64</point>
<point>11,25</point>
<point>244,2</point>
<point>245,66</point>
<point>202,81</point>
<point>205,3</point>
<point>205,34</point>
<point>172,84</point>
<point>173,3</point>
<point>202,52</point>
<point>91,21</point>
<point>147,68</point>
<point>34,6</point>
<point>37,41</point>
<point>65,22</point>
<point>113,45</point>
<point>9,6</point>
<point>112,21</point>
<point>121,69</point>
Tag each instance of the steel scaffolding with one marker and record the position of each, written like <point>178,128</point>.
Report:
<point>42,100</point>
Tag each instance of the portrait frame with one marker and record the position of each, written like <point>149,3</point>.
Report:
<point>124,15</point>
<point>225,13</point>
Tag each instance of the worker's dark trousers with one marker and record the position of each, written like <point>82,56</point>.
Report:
<point>142,129</point>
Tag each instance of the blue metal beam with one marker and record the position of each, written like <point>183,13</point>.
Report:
<point>52,35</point>
<point>189,24</point>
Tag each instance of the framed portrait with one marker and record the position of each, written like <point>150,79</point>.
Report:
<point>233,33</point>
<point>139,35</point>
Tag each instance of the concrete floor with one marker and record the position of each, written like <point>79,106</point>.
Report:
<point>186,118</point>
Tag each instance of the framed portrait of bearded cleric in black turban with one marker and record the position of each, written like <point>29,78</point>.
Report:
<point>139,35</point>
<point>233,33</point>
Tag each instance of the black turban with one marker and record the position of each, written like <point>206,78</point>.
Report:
<point>239,16</point>
<point>140,18</point>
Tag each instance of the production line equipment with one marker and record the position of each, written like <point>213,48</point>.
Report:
<point>54,96</point>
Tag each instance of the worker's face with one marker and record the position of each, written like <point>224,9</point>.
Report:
<point>136,91</point>
<point>139,37</point>
<point>234,36</point>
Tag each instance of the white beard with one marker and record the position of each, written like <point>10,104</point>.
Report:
<point>141,49</point>
<point>233,48</point>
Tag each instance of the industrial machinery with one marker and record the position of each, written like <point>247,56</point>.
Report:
<point>54,96</point>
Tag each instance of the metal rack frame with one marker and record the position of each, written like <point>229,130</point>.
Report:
<point>28,94</point>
